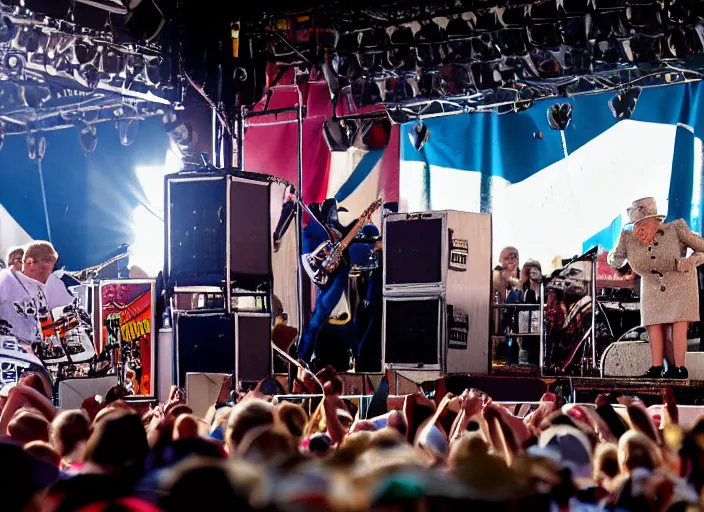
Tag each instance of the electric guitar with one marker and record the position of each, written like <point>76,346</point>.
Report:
<point>324,260</point>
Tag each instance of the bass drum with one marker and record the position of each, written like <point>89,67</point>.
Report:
<point>566,342</point>
<point>18,359</point>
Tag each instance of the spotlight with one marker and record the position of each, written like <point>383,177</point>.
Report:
<point>88,137</point>
<point>144,20</point>
<point>339,134</point>
<point>7,30</point>
<point>560,116</point>
<point>41,148</point>
<point>85,52</point>
<point>181,134</point>
<point>88,76</point>
<point>127,129</point>
<point>331,80</point>
<point>13,64</point>
<point>376,133</point>
<point>153,72</point>
<point>27,40</point>
<point>35,97</point>
<point>31,146</point>
<point>624,103</point>
<point>419,135</point>
<point>112,62</point>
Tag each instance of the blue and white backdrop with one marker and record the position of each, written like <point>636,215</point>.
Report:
<point>549,205</point>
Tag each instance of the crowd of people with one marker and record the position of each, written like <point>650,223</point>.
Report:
<point>418,453</point>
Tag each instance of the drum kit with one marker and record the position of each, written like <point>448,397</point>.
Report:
<point>66,350</point>
<point>569,317</point>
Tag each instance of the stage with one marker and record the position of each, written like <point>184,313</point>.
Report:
<point>503,388</point>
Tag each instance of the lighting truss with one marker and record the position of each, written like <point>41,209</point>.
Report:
<point>435,58</point>
<point>55,74</point>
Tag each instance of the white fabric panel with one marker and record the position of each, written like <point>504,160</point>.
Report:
<point>554,211</point>
<point>342,165</point>
<point>11,234</point>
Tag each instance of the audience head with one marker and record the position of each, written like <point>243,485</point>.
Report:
<point>118,443</point>
<point>185,426</point>
<point>245,416</point>
<point>293,417</point>
<point>636,450</point>
<point>43,451</point>
<point>27,426</point>
<point>203,484</point>
<point>70,431</point>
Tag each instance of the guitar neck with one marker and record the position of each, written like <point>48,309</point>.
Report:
<point>353,233</point>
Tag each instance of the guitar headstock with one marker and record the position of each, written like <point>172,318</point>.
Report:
<point>372,208</point>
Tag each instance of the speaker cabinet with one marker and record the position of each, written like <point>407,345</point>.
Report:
<point>413,331</point>
<point>437,279</point>
<point>217,225</point>
<point>196,229</point>
<point>205,343</point>
<point>254,354</point>
<point>237,344</point>
<point>250,229</point>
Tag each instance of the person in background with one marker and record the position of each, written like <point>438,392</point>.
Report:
<point>14,258</point>
<point>507,269</point>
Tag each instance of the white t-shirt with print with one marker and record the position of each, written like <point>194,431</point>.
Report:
<point>56,293</point>
<point>22,300</point>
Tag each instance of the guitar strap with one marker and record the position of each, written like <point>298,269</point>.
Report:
<point>307,210</point>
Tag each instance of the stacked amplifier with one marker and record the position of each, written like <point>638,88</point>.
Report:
<point>218,242</point>
<point>437,293</point>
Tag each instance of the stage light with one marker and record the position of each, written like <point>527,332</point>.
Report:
<point>85,52</point>
<point>153,71</point>
<point>88,137</point>
<point>331,80</point>
<point>128,130</point>
<point>365,92</point>
<point>31,146</point>
<point>145,19</point>
<point>401,55</point>
<point>376,133</point>
<point>7,30</point>
<point>559,116</point>
<point>419,135</point>
<point>112,62</point>
<point>429,44</point>
<point>27,40</point>
<point>88,76</point>
<point>35,96</point>
<point>624,103</point>
<point>180,133</point>
<point>339,134</point>
<point>41,148</point>
<point>13,64</point>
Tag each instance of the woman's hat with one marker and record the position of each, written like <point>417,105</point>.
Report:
<point>642,209</point>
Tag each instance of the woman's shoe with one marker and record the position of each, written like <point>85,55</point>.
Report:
<point>655,372</point>
<point>676,372</point>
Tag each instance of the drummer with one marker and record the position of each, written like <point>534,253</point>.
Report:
<point>23,295</point>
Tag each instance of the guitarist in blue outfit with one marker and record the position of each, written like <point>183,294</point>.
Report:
<point>329,294</point>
